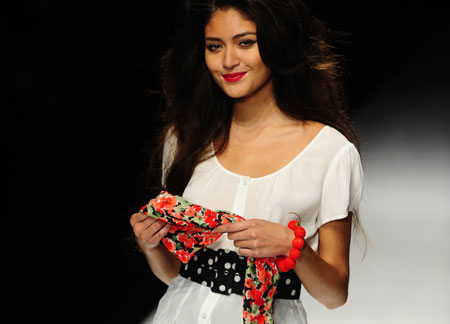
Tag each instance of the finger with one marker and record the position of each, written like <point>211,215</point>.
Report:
<point>163,231</point>
<point>149,225</point>
<point>154,227</point>
<point>232,227</point>
<point>246,234</point>
<point>137,217</point>
<point>155,233</point>
<point>247,244</point>
<point>253,253</point>
<point>244,252</point>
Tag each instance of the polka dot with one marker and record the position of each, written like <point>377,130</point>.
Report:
<point>212,284</point>
<point>216,275</point>
<point>233,266</point>
<point>288,281</point>
<point>210,261</point>
<point>222,288</point>
<point>227,265</point>
<point>229,291</point>
<point>216,259</point>
<point>225,272</point>
<point>186,267</point>
<point>199,270</point>
<point>226,251</point>
<point>293,292</point>
<point>237,278</point>
<point>204,283</point>
<point>196,257</point>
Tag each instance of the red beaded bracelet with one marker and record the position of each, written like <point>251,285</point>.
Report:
<point>285,264</point>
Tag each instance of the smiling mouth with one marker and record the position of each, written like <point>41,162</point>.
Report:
<point>233,77</point>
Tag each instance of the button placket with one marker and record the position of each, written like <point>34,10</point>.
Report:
<point>241,196</point>
<point>207,308</point>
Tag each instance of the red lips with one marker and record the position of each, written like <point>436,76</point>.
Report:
<point>233,77</point>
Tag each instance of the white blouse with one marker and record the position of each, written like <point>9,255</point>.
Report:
<point>321,184</point>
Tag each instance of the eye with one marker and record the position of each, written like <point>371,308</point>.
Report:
<point>213,47</point>
<point>247,43</point>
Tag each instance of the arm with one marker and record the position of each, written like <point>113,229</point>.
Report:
<point>324,273</point>
<point>149,233</point>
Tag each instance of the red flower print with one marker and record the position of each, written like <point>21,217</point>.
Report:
<point>177,215</point>
<point>183,256</point>
<point>257,297</point>
<point>165,202</point>
<point>197,208</point>
<point>190,211</point>
<point>262,275</point>
<point>178,222</point>
<point>211,219</point>
<point>169,244</point>
<point>187,240</point>
<point>248,282</point>
<point>209,238</point>
<point>261,318</point>
<point>268,305</point>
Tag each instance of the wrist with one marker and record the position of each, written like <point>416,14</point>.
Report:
<point>148,249</point>
<point>288,261</point>
<point>290,236</point>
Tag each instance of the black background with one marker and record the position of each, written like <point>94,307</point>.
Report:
<point>79,123</point>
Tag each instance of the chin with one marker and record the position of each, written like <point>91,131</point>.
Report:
<point>235,94</point>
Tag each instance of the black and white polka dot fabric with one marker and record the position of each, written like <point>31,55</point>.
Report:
<point>224,272</point>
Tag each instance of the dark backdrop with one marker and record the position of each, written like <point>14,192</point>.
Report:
<point>79,123</point>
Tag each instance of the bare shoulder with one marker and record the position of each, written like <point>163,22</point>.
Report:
<point>309,129</point>
<point>313,126</point>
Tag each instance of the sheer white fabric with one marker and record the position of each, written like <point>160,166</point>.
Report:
<point>322,183</point>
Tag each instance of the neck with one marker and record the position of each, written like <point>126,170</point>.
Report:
<point>256,110</point>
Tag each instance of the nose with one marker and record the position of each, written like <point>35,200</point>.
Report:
<point>230,58</point>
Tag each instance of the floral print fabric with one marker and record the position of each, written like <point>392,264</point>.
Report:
<point>193,229</point>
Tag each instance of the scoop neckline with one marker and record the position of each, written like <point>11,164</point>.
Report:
<point>295,158</point>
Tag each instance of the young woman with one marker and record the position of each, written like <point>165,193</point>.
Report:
<point>255,124</point>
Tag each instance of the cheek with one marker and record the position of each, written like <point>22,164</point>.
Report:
<point>257,63</point>
<point>210,63</point>
<point>264,73</point>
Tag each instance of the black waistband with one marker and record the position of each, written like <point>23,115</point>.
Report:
<point>224,272</point>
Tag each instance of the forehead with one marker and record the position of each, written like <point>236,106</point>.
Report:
<point>228,22</point>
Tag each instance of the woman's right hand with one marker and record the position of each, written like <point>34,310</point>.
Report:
<point>148,231</point>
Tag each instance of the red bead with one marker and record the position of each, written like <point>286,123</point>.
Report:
<point>300,232</point>
<point>279,259</point>
<point>282,266</point>
<point>289,263</point>
<point>292,224</point>
<point>294,253</point>
<point>298,243</point>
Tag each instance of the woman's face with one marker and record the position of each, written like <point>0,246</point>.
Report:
<point>232,54</point>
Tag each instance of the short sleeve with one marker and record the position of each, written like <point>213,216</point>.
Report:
<point>342,186</point>
<point>168,154</point>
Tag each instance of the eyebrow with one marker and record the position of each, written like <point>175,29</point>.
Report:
<point>216,39</point>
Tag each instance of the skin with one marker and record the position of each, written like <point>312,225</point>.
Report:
<point>258,127</point>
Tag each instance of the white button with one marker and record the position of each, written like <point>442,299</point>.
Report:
<point>204,315</point>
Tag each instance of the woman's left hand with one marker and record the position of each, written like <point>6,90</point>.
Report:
<point>259,238</point>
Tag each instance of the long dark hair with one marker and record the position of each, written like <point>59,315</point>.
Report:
<point>292,43</point>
